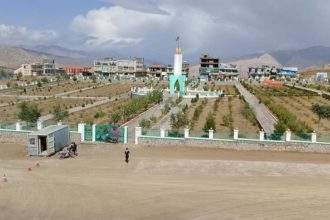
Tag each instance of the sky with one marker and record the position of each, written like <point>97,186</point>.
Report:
<point>148,28</point>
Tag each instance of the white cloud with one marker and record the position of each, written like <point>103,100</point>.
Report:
<point>17,35</point>
<point>117,26</point>
<point>220,27</point>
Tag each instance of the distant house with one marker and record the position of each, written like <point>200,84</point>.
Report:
<point>76,70</point>
<point>47,67</point>
<point>289,71</point>
<point>265,71</point>
<point>322,76</point>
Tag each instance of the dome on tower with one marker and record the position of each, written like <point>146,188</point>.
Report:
<point>178,51</point>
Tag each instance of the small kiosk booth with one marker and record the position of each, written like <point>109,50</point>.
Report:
<point>49,140</point>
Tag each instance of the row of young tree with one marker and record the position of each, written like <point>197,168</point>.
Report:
<point>286,119</point>
<point>136,105</point>
<point>30,112</point>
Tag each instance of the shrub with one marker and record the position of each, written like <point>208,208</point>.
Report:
<point>144,123</point>
<point>209,123</point>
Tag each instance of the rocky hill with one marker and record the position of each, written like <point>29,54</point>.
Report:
<point>13,57</point>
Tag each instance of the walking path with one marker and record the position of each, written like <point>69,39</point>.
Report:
<point>80,108</point>
<point>310,89</point>
<point>265,118</point>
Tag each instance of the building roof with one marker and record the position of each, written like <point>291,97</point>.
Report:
<point>48,130</point>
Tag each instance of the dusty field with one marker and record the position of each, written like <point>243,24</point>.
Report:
<point>165,183</point>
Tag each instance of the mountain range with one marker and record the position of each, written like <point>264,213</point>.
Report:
<point>303,58</point>
<point>13,57</point>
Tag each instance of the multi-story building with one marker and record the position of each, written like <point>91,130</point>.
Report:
<point>265,72</point>
<point>185,68</point>
<point>211,68</point>
<point>159,71</point>
<point>47,67</point>
<point>208,65</point>
<point>109,66</point>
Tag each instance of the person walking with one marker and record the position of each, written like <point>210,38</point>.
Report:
<point>126,155</point>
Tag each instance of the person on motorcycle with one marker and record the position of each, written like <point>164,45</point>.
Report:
<point>74,148</point>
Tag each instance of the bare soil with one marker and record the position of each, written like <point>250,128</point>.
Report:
<point>164,183</point>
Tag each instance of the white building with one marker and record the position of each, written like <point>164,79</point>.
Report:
<point>323,76</point>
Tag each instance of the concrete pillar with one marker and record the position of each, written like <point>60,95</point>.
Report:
<point>125,135</point>
<point>18,126</point>
<point>211,133</point>
<point>162,133</point>
<point>262,135</point>
<point>39,125</point>
<point>81,131</point>
<point>186,133</point>
<point>288,135</point>
<point>314,137</point>
<point>94,132</point>
<point>138,133</point>
<point>59,122</point>
<point>236,134</point>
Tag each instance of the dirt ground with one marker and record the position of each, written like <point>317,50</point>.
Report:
<point>164,183</point>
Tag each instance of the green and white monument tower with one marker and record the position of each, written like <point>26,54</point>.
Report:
<point>177,75</point>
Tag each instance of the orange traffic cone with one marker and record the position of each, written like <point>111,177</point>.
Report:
<point>4,178</point>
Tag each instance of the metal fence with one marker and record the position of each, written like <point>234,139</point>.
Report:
<point>109,134</point>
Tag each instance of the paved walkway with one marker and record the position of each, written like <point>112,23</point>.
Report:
<point>165,122</point>
<point>266,119</point>
<point>132,124</point>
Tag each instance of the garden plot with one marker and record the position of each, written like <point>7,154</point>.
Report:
<point>301,107</point>
<point>98,115</point>
<point>10,113</point>
<point>106,91</point>
<point>55,89</point>
<point>228,115</point>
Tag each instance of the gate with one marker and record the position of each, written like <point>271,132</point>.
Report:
<point>88,133</point>
<point>109,134</point>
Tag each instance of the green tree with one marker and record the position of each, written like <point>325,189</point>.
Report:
<point>115,117</point>
<point>93,78</point>
<point>209,123</point>
<point>59,113</point>
<point>19,76</point>
<point>44,80</point>
<point>280,127</point>
<point>179,121</point>
<point>144,123</point>
<point>39,84</point>
<point>322,111</point>
<point>29,112</point>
